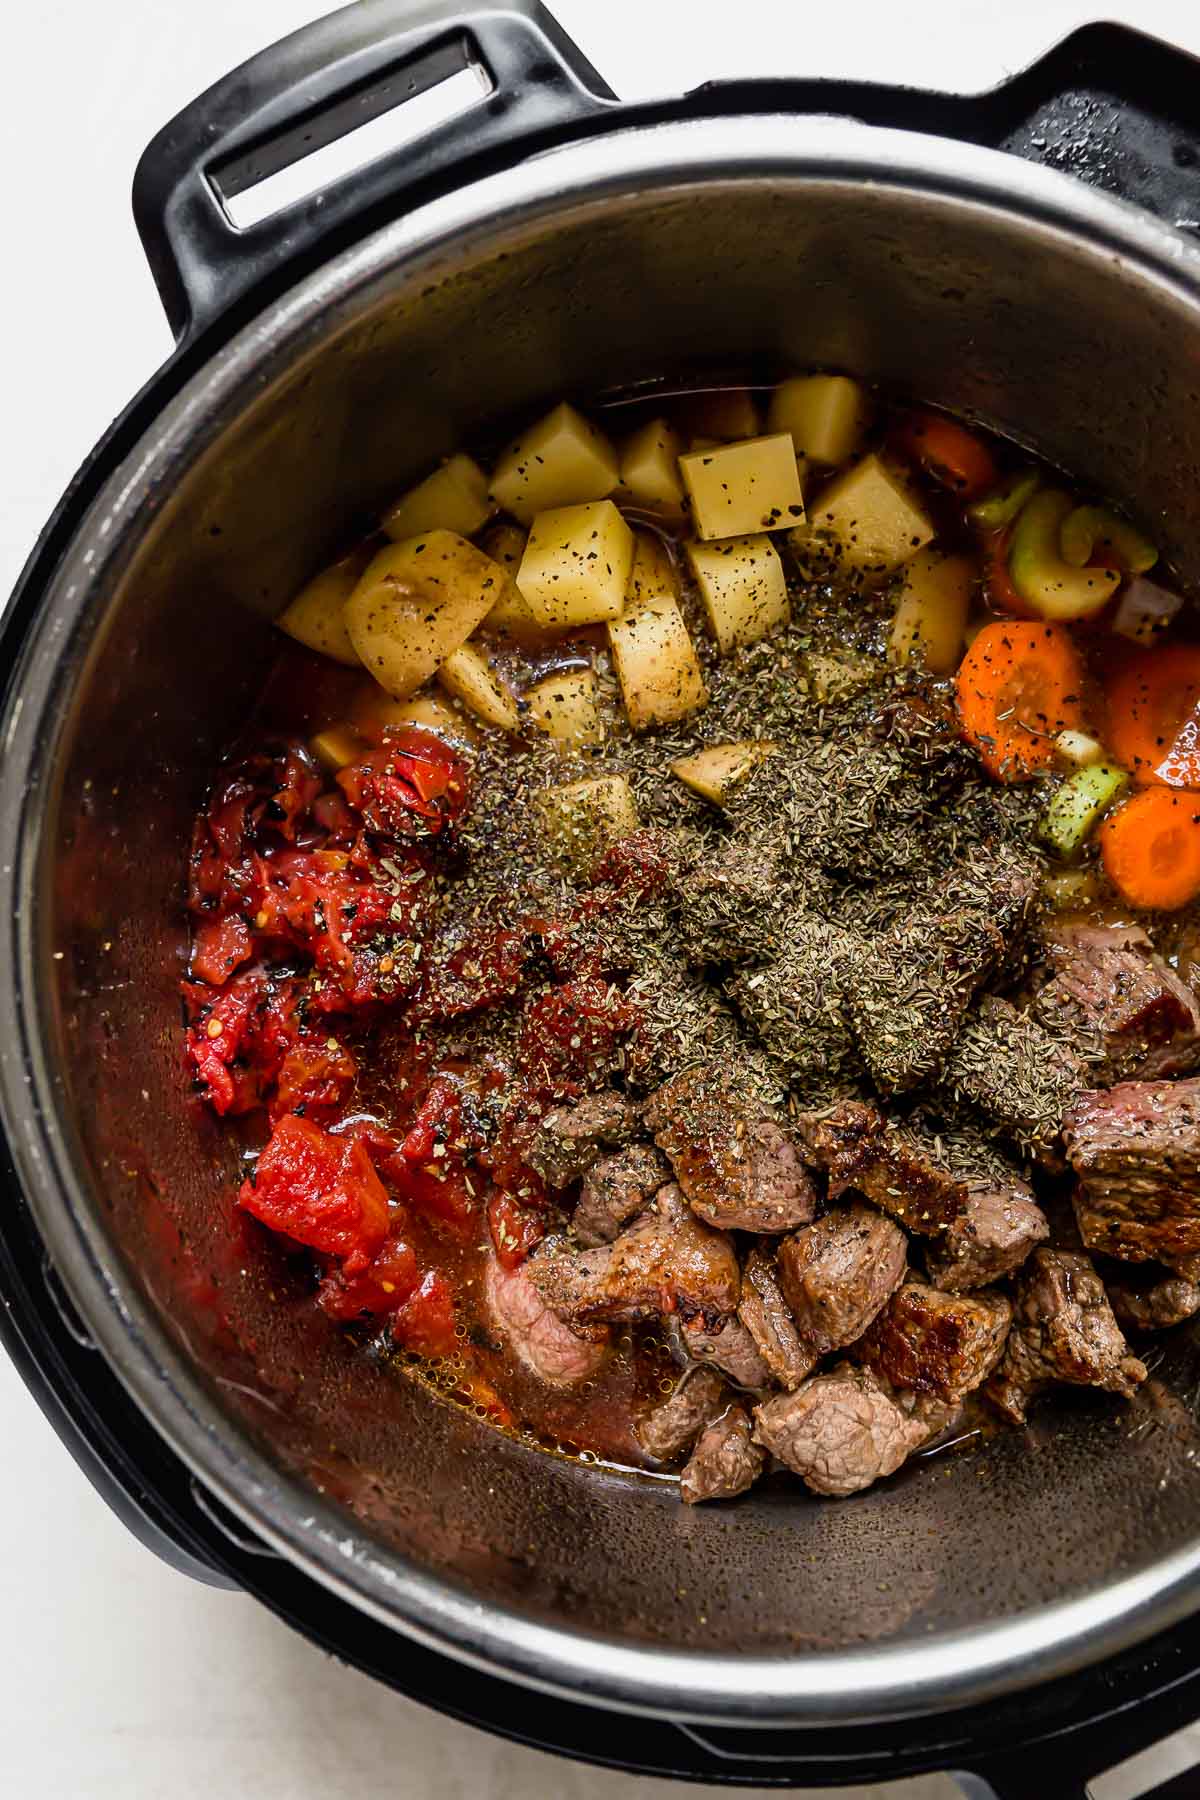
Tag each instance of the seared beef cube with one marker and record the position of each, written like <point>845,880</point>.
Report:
<point>936,1343</point>
<point>729,1348</point>
<point>764,1312</point>
<point>891,1165</point>
<point>1136,1151</point>
<point>677,1422</point>
<point>1063,1330</point>
<point>992,1236</point>
<point>912,990</point>
<point>1153,1304</point>
<point>835,1275</point>
<point>739,1170</point>
<point>1127,1011</point>
<point>725,1462</point>
<point>793,1005</point>
<point>571,1138</point>
<point>1016,1072</point>
<point>537,1336</point>
<point>616,1189</point>
<point>668,1261</point>
<point>844,1430</point>
<point>732,904</point>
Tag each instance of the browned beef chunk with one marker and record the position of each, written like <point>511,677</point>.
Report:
<point>667,1430</point>
<point>846,1429</point>
<point>540,1340</point>
<point>936,1343</point>
<point>995,1232</point>
<point>896,1170</point>
<point>737,1167</point>
<point>1016,1072</point>
<point>571,1138</point>
<point>729,1348</point>
<point>668,1261</point>
<point>1063,1330</point>
<point>764,1312</point>
<point>616,1189</point>
<point>1136,1151</point>
<point>835,1275</point>
<point>1126,1010</point>
<point>1145,1299</point>
<point>794,1004</point>
<point>725,1462</point>
<point>732,903</point>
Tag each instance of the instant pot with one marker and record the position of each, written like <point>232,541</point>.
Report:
<point>1022,1611</point>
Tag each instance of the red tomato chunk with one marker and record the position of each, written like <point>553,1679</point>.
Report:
<point>425,1322</point>
<point>319,1190</point>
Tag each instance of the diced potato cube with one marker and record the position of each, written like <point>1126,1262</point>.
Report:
<point>652,649</point>
<point>564,706</point>
<point>453,498</point>
<point>467,675</point>
<point>510,617</point>
<point>742,585</point>
<point>870,515</point>
<point>582,818</point>
<point>505,544</point>
<point>416,603</point>
<point>576,565</point>
<point>336,746</point>
<point>827,416</point>
<point>373,711</point>
<point>650,468</point>
<point>711,773</point>
<point>751,486</point>
<point>932,615</point>
<point>718,413</point>
<point>315,617</point>
<point>563,460</point>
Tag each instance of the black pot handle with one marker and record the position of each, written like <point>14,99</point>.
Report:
<point>308,91</point>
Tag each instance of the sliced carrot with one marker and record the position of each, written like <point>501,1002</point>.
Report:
<point>950,453</point>
<point>1151,849</point>
<point>1149,700</point>
<point>1019,685</point>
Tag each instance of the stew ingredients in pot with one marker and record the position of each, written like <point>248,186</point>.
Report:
<point>698,941</point>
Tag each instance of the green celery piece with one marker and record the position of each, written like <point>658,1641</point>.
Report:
<point>1088,526</point>
<point>1079,805</point>
<point>1001,506</point>
<point>1055,589</point>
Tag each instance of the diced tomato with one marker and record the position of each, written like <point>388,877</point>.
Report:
<point>380,1289</point>
<point>334,817</point>
<point>322,909</point>
<point>315,1077</point>
<point>219,1036</point>
<point>515,1229</point>
<point>320,1190</point>
<point>432,1172</point>
<point>486,969</point>
<point>413,787</point>
<point>570,1035</point>
<point>263,799</point>
<point>635,865</point>
<point>425,1322</point>
<point>221,946</point>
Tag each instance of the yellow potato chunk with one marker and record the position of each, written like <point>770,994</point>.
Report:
<point>932,615</point>
<point>742,585</point>
<point>564,706</point>
<point>315,617</point>
<point>416,603</point>
<point>510,617</point>
<point>563,460</point>
<point>467,675</point>
<point>718,413</point>
<point>826,415</point>
<point>751,486</point>
<point>373,712</point>
<point>576,565</point>
<point>871,517</point>
<point>582,818</point>
<point>652,648</point>
<point>711,773</point>
<point>453,498</point>
<point>336,746</point>
<point>650,469</point>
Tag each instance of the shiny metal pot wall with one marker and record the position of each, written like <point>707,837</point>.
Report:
<point>1005,291</point>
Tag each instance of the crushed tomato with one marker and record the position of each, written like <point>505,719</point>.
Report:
<point>319,1190</point>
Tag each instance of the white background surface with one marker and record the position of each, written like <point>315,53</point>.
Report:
<point>120,1680</point>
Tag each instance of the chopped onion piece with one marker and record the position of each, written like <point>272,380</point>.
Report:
<point>1077,749</point>
<point>1145,611</point>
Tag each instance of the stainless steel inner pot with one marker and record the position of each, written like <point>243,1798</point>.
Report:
<point>997,288</point>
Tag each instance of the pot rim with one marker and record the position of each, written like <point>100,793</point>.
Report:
<point>635,164</point>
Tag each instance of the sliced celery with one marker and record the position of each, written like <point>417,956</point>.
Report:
<point>1001,506</point>
<point>1079,804</point>
<point>1089,528</point>
<point>1054,588</point>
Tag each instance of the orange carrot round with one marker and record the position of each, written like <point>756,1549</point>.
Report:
<point>1018,686</point>
<point>1151,849</point>
<point>950,453</point>
<point>1149,700</point>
